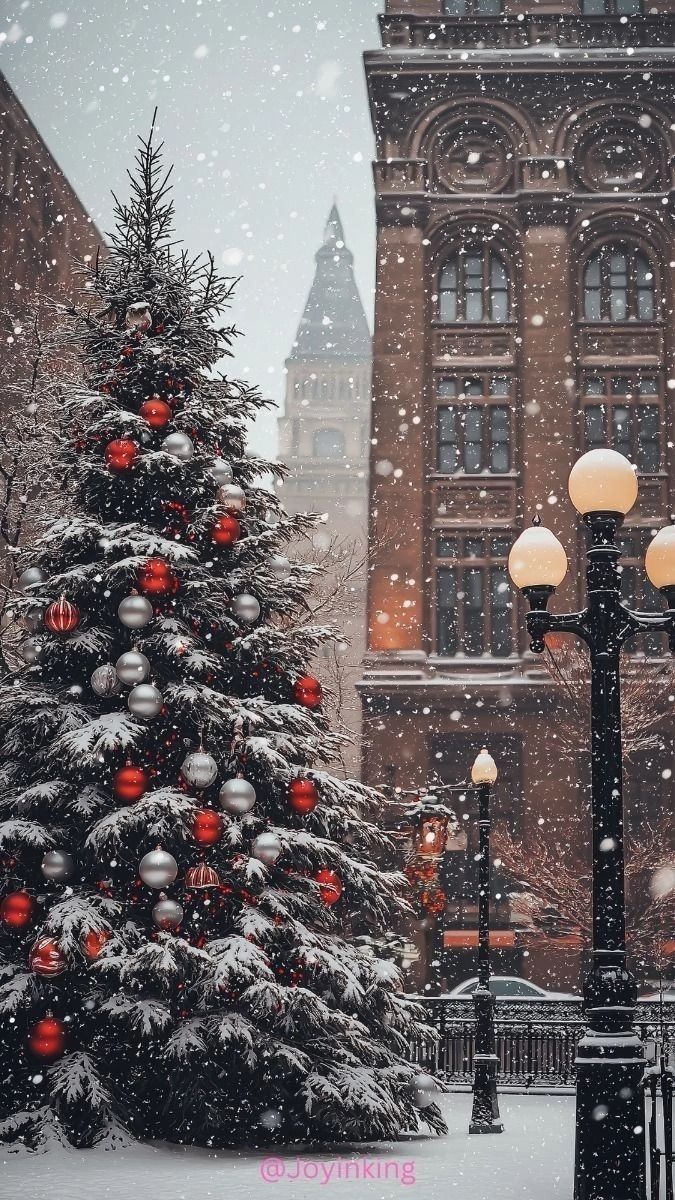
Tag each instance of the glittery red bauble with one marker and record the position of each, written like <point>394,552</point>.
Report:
<point>156,412</point>
<point>308,691</point>
<point>18,910</point>
<point>130,783</point>
<point>46,957</point>
<point>156,578</point>
<point>201,877</point>
<point>207,827</point>
<point>94,941</point>
<point>47,1039</point>
<point>303,796</point>
<point>226,531</point>
<point>62,616</point>
<point>121,454</point>
<point>330,886</point>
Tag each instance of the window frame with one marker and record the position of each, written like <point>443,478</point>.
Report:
<point>611,8</point>
<point>457,260</point>
<point>462,565</point>
<point>609,399</point>
<point>602,255</point>
<point>472,11</point>
<point>484,401</point>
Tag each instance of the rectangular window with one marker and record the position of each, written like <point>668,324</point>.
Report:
<point>473,438</point>
<point>474,599</point>
<point>638,592</point>
<point>623,411</point>
<point>601,8</point>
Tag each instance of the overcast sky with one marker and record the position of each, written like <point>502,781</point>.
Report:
<point>262,105</point>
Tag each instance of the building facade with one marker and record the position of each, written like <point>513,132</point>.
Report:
<point>524,194</point>
<point>323,439</point>
<point>43,224</point>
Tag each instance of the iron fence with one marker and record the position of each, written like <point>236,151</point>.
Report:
<point>535,1042</point>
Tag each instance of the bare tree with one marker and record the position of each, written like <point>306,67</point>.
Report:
<point>647,696</point>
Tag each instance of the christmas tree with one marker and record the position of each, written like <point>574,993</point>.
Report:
<point>181,878</point>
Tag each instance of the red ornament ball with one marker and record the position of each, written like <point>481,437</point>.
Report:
<point>18,910</point>
<point>156,412</point>
<point>62,616</point>
<point>47,958</point>
<point>308,691</point>
<point>130,783</point>
<point>157,578</point>
<point>226,531</point>
<point>47,1038</point>
<point>207,827</point>
<point>202,876</point>
<point>303,796</point>
<point>121,454</point>
<point>94,941</point>
<point>330,886</point>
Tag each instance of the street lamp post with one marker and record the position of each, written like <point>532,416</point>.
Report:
<point>485,1116</point>
<point>610,1147</point>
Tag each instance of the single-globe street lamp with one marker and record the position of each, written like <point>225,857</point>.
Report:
<point>610,1143</point>
<point>485,1112</point>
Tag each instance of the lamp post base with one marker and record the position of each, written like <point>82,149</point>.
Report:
<point>610,1149</point>
<point>485,1116</point>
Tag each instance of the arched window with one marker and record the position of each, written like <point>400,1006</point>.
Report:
<point>474,286</point>
<point>329,443</point>
<point>619,285</point>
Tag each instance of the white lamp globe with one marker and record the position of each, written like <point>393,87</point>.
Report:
<point>537,559</point>
<point>603,481</point>
<point>484,770</point>
<point>660,558</point>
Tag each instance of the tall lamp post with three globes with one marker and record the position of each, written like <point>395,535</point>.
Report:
<point>610,1147</point>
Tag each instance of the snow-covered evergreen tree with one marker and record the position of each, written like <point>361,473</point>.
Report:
<point>181,878</point>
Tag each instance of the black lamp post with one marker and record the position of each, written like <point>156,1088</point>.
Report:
<point>610,1143</point>
<point>485,1111</point>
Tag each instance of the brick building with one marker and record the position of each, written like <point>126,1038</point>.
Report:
<point>323,438</point>
<point>43,224</point>
<point>524,192</point>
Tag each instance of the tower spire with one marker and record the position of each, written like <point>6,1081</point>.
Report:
<point>333,324</point>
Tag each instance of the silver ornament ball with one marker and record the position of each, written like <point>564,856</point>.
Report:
<point>138,316</point>
<point>158,869</point>
<point>221,471</point>
<point>246,608</point>
<point>179,445</point>
<point>167,914</point>
<point>105,682</point>
<point>57,865</point>
<point>31,577</point>
<point>145,700</point>
<point>132,667</point>
<point>34,619</point>
<point>267,848</point>
<point>32,650</point>
<point>199,769</point>
<point>135,611</point>
<point>424,1090</point>
<point>232,497</point>
<point>280,567</point>
<point>237,796</point>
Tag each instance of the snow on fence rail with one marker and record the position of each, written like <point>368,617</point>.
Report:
<point>535,1042</point>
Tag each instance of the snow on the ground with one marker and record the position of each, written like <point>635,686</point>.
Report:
<point>532,1160</point>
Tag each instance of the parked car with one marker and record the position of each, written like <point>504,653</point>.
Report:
<point>509,987</point>
<point>668,995</point>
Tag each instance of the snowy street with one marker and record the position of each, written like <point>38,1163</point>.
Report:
<point>531,1160</point>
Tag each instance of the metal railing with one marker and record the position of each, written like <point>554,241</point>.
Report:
<point>659,1083</point>
<point>535,1042</point>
